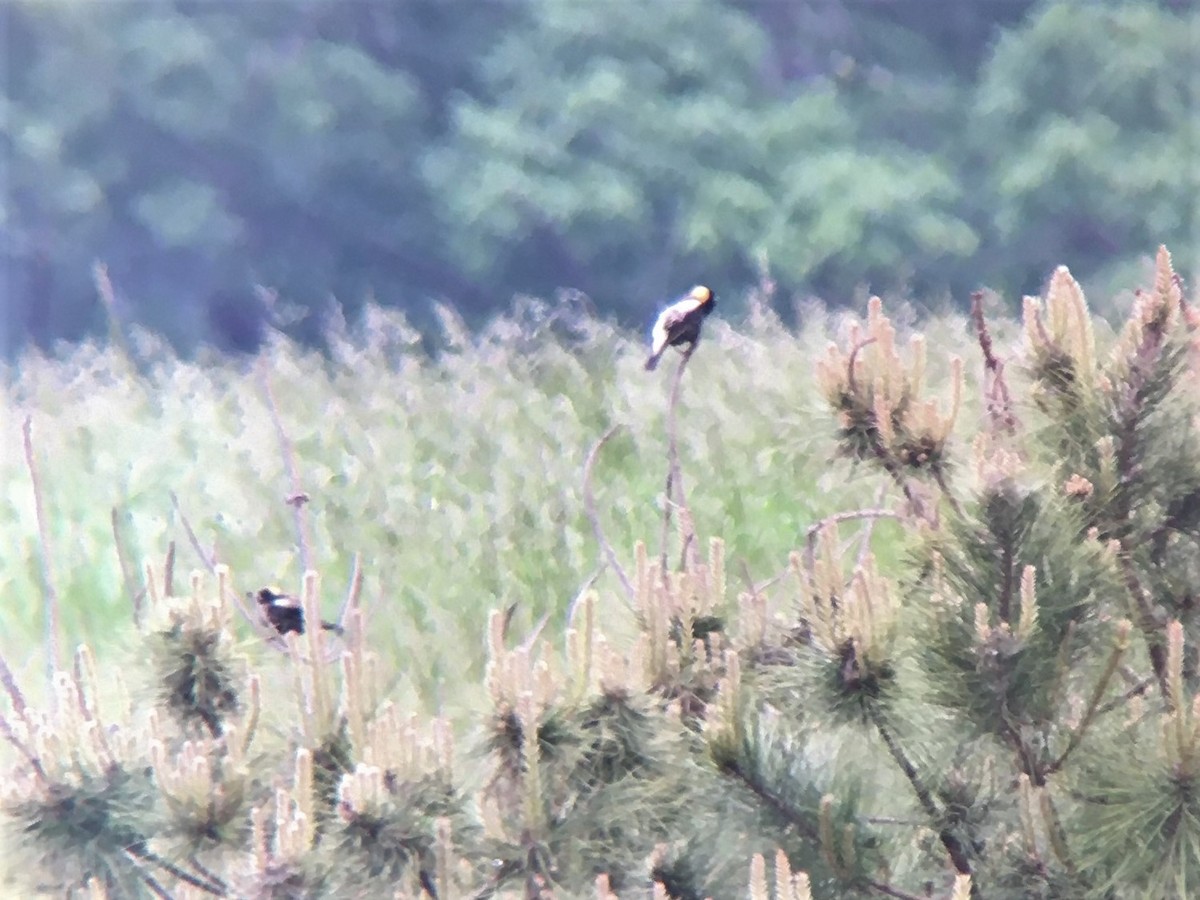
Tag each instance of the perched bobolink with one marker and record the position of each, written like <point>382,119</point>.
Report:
<point>285,613</point>
<point>680,322</point>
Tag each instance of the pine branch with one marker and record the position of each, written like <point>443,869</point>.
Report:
<point>954,847</point>
<point>790,815</point>
<point>169,571</point>
<point>776,803</point>
<point>1093,707</point>
<point>1147,622</point>
<point>140,851</point>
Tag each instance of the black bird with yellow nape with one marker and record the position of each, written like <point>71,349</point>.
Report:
<point>680,323</point>
<point>285,613</point>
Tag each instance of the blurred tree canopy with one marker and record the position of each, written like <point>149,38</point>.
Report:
<point>468,150</point>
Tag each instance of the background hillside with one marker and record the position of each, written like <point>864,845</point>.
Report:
<point>471,150</point>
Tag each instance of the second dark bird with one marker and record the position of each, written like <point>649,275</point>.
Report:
<point>285,613</point>
<point>680,323</point>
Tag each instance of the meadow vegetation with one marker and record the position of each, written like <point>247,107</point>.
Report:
<point>456,479</point>
<point>927,587</point>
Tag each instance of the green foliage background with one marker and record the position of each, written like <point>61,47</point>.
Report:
<point>473,149</point>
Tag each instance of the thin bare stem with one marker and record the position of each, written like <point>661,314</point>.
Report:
<point>169,571</point>
<point>209,563</point>
<point>49,593</point>
<point>864,546</point>
<point>296,498</point>
<point>136,594</point>
<point>589,508</point>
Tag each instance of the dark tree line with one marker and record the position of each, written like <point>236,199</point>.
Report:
<point>470,150</point>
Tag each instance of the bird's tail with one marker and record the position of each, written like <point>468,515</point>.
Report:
<point>333,626</point>
<point>652,362</point>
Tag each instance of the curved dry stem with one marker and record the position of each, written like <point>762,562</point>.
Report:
<point>353,592</point>
<point>169,571</point>
<point>581,594</point>
<point>211,566</point>
<point>297,498</point>
<point>589,508</point>
<point>851,381</point>
<point>814,530</point>
<point>49,592</point>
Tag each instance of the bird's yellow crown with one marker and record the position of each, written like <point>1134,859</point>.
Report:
<point>701,293</point>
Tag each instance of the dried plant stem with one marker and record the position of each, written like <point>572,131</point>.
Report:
<point>996,393</point>
<point>49,593</point>
<point>211,566</point>
<point>674,485</point>
<point>589,507</point>
<point>297,498</point>
<point>169,571</point>
<point>136,594</point>
<point>353,592</point>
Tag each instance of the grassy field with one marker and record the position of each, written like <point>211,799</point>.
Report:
<point>456,479</point>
